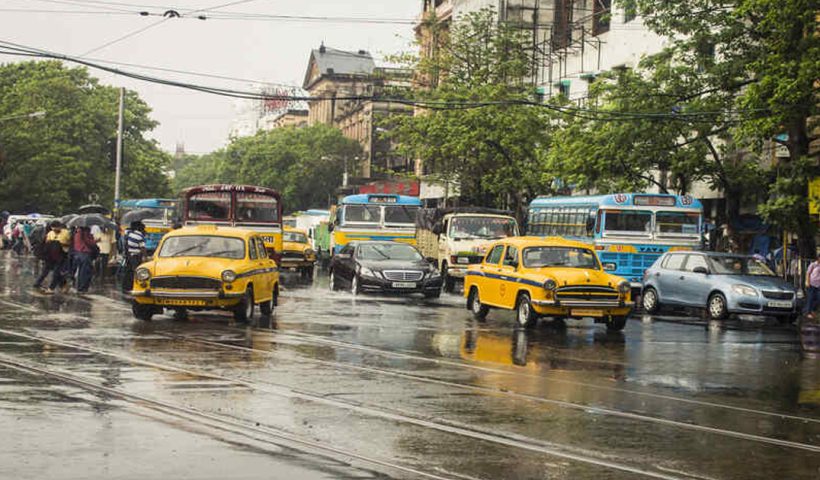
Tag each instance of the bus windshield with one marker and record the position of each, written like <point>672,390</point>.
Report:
<point>210,206</point>
<point>400,214</point>
<point>256,208</point>
<point>677,222</point>
<point>466,228</point>
<point>541,257</point>
<point>633,221</point>
<point>362,214</point>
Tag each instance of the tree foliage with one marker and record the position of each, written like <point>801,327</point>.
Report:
<point>305,165</point>
<point>495,152</point>
<point>55,162</point>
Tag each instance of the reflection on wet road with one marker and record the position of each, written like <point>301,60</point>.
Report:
<point>359,387</point>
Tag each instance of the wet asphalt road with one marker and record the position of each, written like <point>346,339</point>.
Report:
<point>384,387</point>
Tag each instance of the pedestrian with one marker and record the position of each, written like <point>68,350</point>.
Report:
<point>757,256</point>
<point>85,251</point>
<point>134,245</point>
<point>105,241</point>
<point>812,287</point>
<point>17,243</point>
<point>55,253</point>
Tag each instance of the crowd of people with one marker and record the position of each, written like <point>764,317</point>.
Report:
<point>75,257</point>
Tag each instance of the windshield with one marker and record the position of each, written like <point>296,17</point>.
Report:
<point>740,266</point>
<point>256,208</point>
<point>628,221</point>
<point>539,257</point>
<point>362,214</point>
<point>386,251</point>
<point>295,237</point>
<point>466,228</point>
<point>677,222</point>
<point>402,214</point>
<point>210,206</point>
<point>203,246</point>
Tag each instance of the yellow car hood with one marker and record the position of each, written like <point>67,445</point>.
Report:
<point>295,247</point>
<point>194,266</point>
<point>578,276</point>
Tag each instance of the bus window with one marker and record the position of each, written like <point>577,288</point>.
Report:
<point>628,221</point>
<point>362,214</point>
<point>254,207</point>
<point>590,223</point>
<point>210,206</point>
<point>400,214</point>
<point>677,222</point>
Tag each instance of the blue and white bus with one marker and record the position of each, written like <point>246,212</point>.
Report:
<point>374,216</point>
<point>629,230</point>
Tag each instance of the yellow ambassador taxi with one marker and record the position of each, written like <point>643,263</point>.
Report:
<point>207,267</point>
<point>297,253</point>
<point>547,277</point>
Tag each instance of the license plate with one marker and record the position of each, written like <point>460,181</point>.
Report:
<point>180,302</point>
<point>587,313</point>
<point>404,285</point>
<point>780,304</point>
<point>463,260</point>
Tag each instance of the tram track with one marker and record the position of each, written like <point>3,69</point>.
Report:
<point>443,426</point>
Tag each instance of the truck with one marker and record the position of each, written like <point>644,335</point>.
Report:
<point>458,237</point>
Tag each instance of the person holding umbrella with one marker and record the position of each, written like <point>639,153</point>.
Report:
<point>85,251</point>
<point>134,253</point>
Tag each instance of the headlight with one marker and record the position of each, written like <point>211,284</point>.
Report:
<point>550,285</point>
<point>624,287</point>
<point>142,274</point>
<point>309,252</point>
<point>800,294</point>
<point>744,290</point>
<point>228,276</point>
<point>434,273</point>
<point>367,272</point>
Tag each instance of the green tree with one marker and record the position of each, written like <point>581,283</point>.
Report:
<point>54,163</point>
<point>305,165</point>
<point>772,49</point>
<point>494,145</point>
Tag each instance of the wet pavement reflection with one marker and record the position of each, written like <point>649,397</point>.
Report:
<point>343,386</point>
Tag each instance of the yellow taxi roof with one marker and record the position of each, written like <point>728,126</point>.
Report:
<point>213,230</point>
<point>522,242</point>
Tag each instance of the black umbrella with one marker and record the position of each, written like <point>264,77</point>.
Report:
<point>67,218</point>
<point>90,220</point>
<point>140,215</point>
<point>94,208</point>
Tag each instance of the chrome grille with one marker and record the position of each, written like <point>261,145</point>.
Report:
<point>291,255</point>
<point>586,292</point>
<point>403,275</point>
<point>186,283</point>
<point>778,295</point>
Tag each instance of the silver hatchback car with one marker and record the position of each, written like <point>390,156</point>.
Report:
<point>719,282</point>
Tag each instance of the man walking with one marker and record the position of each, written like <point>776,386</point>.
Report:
<point>55,254</point>
<point>85,249</point>
<point>812,287</point>
<point>134,253</point>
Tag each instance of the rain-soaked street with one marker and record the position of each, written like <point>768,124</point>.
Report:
<point>383,387</point>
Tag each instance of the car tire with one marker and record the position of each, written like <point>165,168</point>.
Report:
<point>243,311</point>
<point>143,312</point>
<point>525,315</point>
<point>616,324</point>
<point>650,302</point>
<point>716,306</point>
<point>355,286</point>
<point>435,294</point>
<point>448,281</point>
<point>181,314</point>
<point>266,308</point>
<point>333,281</point>
<point>474,304</point>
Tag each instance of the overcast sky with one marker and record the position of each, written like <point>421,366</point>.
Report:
<point>264,50</point>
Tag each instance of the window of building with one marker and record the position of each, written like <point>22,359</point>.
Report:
<point>601,16</point>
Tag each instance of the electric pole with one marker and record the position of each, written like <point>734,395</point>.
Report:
<point>119,150</point>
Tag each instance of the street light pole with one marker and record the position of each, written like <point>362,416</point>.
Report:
<point>117,175</point>
<point>37,114</point>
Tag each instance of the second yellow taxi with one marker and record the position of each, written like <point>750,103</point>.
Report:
<point>297,253</point>
<point>547,277</point>
<point>207,268</point>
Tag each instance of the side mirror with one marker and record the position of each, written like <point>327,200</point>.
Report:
<point>610,267</point>
<point>703,270</point>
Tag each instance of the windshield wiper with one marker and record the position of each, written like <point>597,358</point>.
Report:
<point>186,250</point>
<point>221,252</point>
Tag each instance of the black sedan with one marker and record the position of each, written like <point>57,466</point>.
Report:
<point>384,267</point>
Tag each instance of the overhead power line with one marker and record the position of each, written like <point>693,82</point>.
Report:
<point>704,116</point>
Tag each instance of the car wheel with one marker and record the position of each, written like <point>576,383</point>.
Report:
<point>650,301</point>
<point>243,312</point>
<point>449,282</point>
<point>333,285</point>
<point>525,314</point>
<point>266,308</point>
<point>180,314</point>
<point>435,294</point>
<point>143,312</point>
<point>717,306</point>
<point>474,304</point>
<point>616,324</point>
<point>355,287</point>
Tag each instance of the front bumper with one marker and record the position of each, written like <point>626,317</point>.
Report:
<point>583,308</point>
<point>187,298</point>
<point>761,306</point>
<point>373,284</point>
<point>457,271</point>
<point>296,263</point>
